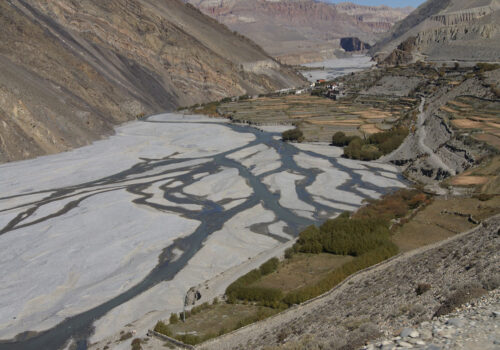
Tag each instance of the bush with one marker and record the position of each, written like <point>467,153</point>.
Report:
<point>370,152</point>
<point>422,288</point>
<point>136,344</point>
<point>125,336</point>
<point>486,67</point>
<point>269,266</point>
<point>340,139</point>
<point>173,319</point>
<point>458,298</point>
<point>162,328</point>
<point>353,150</point>
<point>293,135</point>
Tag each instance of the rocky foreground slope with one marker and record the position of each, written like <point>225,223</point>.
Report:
<point>70,71</point>
<point>474,326</point>
<point>305,30</point>
<point>445,30</point>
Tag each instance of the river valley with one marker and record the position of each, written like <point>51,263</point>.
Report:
<point>115,233</point>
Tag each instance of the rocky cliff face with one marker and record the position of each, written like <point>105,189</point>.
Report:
<point>353,44</point>
<point>449,30</point>
<point>299,31</point>
<point>70,71</point>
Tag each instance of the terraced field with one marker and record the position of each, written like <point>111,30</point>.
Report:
<point>480,117</point>
<point>319,118</point>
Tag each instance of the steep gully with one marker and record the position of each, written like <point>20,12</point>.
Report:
<point>211,218</point>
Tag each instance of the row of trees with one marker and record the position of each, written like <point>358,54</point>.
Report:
<point>344,236</point>
<point>242,288</point>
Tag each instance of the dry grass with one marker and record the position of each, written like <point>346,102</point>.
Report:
<point>217,318</point>
<point>448,109</point>
<point>459,104</point>
<point>473,113</point>
<point>491,139</point>
<point>336,122</point>
<point>436,222</point>
<point>465,180</point>
<point>466,124</point>
<point>493,125</point>
<point>374,114</point>
<point>302,270</point>
<point>369,129</point>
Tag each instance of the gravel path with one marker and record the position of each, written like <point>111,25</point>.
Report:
<point>474,326</point>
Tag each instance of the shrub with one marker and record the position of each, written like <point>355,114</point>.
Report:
<point>458,298</point>
<point>340,139</point>
<point>125,336</point>
<point>353,150</point>
<point>422,288</point>
<point>173,318</point>
<point>486,67</point>
<point>293,135</point>
<point>136,344</point>
<point>269,266</point>
<point>162,328</point>
<point>370,152</point>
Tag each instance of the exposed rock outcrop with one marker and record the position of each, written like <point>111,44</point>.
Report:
<point>351,44</point>
<point>447,30</point>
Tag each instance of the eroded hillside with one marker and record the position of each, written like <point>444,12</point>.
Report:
<point>70,71</point>
<point>460,30</point>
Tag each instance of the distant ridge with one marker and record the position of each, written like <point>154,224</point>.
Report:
<point>301,31</point>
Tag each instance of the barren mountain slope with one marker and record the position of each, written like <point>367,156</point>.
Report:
<point>304,30</point>
<point>444,30</point>
<point>70,70</point>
